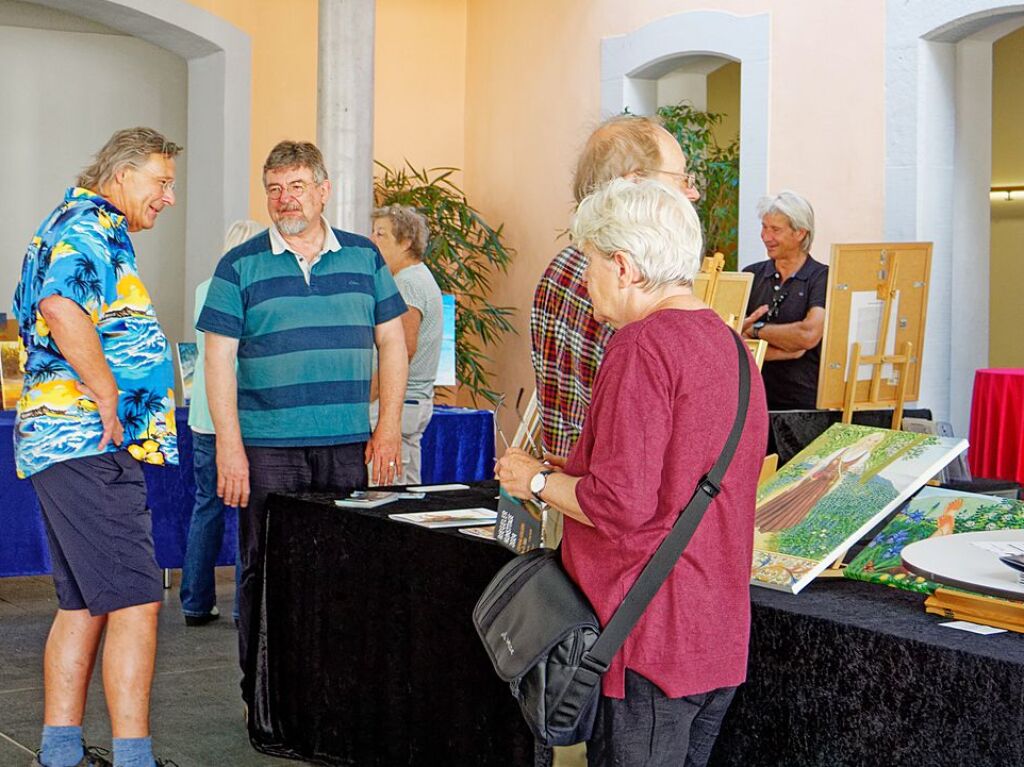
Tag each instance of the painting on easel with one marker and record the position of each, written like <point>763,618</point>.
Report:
<point>874,327</point>
<point>931,513</point>
<point>833,492</point>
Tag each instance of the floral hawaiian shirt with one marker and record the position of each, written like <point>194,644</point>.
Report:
<point>82,252</point>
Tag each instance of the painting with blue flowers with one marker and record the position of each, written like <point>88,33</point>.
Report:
<point>933,512</point>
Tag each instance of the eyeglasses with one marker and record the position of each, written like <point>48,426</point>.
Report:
<point>689,179</point>
<point>295,189</point>
<point>167,184</point>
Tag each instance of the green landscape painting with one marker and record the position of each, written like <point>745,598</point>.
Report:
<point>833,492</point>
<point>931,513</point>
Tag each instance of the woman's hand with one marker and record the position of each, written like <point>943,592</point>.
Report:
<point>556,462</point>
<point>514,470</point>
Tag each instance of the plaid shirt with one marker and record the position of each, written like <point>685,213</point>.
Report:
<point>567,347</point>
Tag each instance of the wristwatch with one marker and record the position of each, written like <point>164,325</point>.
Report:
<point>756,327</point>
<point>538,482</point>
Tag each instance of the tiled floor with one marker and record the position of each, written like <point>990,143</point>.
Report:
<point>197,710</point>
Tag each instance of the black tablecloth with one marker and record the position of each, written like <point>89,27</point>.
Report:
<point>368,654</point>
<point>849,673</point>
<point>793,430</point>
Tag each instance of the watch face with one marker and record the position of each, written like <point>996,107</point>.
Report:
<point>537,482</point>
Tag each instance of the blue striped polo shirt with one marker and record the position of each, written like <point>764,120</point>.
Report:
<point>305,350</point>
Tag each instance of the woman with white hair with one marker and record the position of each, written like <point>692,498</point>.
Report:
<point>787,302</point>
<point>663,403</point>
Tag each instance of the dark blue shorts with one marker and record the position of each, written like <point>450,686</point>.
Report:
<point>100,533</point>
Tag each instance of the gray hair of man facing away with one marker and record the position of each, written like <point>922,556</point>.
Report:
<point>651,222</point>
<point>241,231</point>
<point>289,154</point>
<point>131,147</point>
<point>407,223</point>
<point>621,145</point>
<point>796,210</point>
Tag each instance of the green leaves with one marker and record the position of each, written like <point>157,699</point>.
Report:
<point>463,252</point>
<point>718,175</point>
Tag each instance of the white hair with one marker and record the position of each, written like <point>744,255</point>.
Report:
<point>240,231</point>
<point>795,209</point>
<point>654,223</point>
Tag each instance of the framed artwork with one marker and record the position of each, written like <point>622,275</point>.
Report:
<point>187,367</point>
<point>932,513</point>
<point>11,373</point>
<point>446,363</point>
<point>833,492</point>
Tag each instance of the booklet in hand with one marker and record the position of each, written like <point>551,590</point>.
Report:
<point>367,499</point>
<point>518,526</point>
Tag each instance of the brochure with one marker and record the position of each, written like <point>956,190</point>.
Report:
<point>448,517</point>
<point>367,499</point>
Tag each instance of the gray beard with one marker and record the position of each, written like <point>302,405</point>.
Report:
<point>292,226</point>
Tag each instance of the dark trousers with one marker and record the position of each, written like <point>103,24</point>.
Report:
<point>649,729</point>
<point>337,469</point>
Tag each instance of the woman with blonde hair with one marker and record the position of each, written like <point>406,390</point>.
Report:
<point>206,528</point>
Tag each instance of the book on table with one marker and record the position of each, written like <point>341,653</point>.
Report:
<point>448,517</point>
<point>367,499</point>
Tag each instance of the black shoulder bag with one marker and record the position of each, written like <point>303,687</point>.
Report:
<point>540,631</point>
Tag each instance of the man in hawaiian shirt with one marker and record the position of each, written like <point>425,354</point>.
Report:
<point>98,399</point>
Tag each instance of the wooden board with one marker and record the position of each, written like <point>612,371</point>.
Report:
<point>856,272</point>
<point>731,294</point>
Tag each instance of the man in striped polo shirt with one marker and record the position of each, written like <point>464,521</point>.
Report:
<point>300,308</point>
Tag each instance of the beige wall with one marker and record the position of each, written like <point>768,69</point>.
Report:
<point>284,63</point>
<point>420,83</point>
<point>724,98</point>
<point>533,94</point>
<point>1006,267</point>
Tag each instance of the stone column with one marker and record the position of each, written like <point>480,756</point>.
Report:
<point>345,109</point>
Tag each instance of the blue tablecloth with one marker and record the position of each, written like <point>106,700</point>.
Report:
<point>458,446</point>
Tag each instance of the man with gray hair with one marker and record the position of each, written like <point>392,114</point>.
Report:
<point>300,307</point>
<point>787,302</point>
<point>98,399</point>
<point>567,341</point>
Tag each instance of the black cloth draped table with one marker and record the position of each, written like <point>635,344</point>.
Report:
<point>848,673</point>
<point>367,653</point>
<point>368,656</point>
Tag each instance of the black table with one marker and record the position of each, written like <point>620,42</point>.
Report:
<point>849,673</point>
<point>793,430</point>
<point>368,655</point>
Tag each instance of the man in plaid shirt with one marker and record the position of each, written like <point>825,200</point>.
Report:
<point>568,342</point>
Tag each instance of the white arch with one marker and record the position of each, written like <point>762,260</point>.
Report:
<point>218,56</point>
<point>629,61</point>
<point>938,75</point>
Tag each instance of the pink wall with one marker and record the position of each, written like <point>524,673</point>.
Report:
<point>533,95</point>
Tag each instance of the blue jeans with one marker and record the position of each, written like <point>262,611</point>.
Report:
<point>205,533</point>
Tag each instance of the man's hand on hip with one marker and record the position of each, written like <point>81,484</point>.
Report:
<point>232,474</point>
<point>384,451</point>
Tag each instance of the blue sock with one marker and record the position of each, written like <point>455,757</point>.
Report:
<point>133,752</point>
<point>61,747</point>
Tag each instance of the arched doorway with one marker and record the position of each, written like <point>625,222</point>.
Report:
<point>218,58</point>
<point>938,173</point>
<point>630,63</point>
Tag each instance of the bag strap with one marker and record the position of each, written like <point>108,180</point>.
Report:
<point>671,549</point>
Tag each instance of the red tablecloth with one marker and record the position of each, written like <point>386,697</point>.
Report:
<point>997,425</point>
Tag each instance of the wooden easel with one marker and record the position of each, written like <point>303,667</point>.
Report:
<point>900,362</point>
<point>890,269</point>
<point>726,293</point>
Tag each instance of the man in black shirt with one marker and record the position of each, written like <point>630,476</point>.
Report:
<point>787,302</point>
